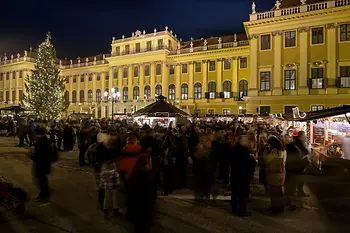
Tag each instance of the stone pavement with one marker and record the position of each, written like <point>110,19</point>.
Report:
<point>73,205</point>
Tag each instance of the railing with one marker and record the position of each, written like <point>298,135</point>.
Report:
<point>299,9</point>
<point>141,50</point>
<point>15,60</point>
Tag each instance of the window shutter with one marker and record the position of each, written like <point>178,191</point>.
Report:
<point>206,95</point>
<point>337,82</point>
<point>325,82</point>
<point>309,83</point>
<point>221,95</point>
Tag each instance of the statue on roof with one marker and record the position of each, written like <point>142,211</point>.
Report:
<point>235,37</point>
<point>253,8</point>
<point>277,4</point>
<point>205,42</point>
<point>178,45</point>
<point>303,2</point>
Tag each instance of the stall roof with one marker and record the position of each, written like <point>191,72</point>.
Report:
<point>160,106</point>
<point>314,115</point>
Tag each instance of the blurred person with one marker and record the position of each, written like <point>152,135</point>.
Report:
<point>262,152</point>
<point>345,146</point>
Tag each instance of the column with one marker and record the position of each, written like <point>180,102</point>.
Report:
<point>130,82</point>
<point>70,88</point>
<point>86,88</point>
<point>110,86</point>
<point>253,72</point>
<point>277,67</point>
<point>120,81</point>
<point>103,87</point>
<point>331,57</point>
<point>141,81</point>
<point>234,64</point>
<point>78,87</point>
<point>190,81</point>
<point>5,89</point>
<point>178,81</point>
<point>205,77</point>
<point>219,74</point>
<point>165,80</point>
<point>304,68</point>
<point>10,87</point>
<point>153,80</point>
<point>94,89</point>
<point>17,86</point>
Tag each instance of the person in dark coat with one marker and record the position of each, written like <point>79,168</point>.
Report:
<point>223,151</point>
<point>242,170</point>
<point>67,138</point>
<point>42,163</point>
<point>83,146</point>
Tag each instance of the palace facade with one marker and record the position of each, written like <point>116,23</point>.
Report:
<point>296,54</point>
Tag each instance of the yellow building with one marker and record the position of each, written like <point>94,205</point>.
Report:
<point>296,55</point>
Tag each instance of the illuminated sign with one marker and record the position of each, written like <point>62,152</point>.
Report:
<point>297,114</point>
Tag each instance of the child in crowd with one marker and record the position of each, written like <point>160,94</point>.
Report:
<point>111,182</point>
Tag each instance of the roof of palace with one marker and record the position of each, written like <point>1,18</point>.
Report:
<point>292,3</point>
<point>214,40</point>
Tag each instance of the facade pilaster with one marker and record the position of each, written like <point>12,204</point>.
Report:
<point>277,67</point>
<point>17,86</point>
<point>234,64</point>
<point>70,88</point>
<point>219,74</point>
<point>190,81</point>
<point>103,87</point>
<point>11,87</point>
<point>94,99</point>
<point>153,80</point>
<point>120,81</point>
<point>142,81</point>
<point>177,81</point>
<point>78,87</point>
<point>130,82</point>
<point>331,57</point>
<point>165,79</point>
<point>304,59</point>
<point>110,78</point>
<point>204,77</point>
<point>86,87</point>
<point>254,49</point>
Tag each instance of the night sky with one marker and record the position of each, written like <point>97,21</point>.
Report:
<point>85,28</point>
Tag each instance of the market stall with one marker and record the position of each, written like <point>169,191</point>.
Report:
<point>159,112</point>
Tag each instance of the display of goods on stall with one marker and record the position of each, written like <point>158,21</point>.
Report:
<point>319,135</point>
<point>334,151</point>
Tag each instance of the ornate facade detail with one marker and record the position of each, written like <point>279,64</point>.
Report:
<point>253,36</point>
<point>277,33</point>
<point>204,61</point>
<point>219,59</point>
<point>303,29</point>
<point>331,25</point>
<point>191,62</point>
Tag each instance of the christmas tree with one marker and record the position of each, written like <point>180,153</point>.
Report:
<point>45,87</point>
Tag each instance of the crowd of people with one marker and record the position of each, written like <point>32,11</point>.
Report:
<point>133,163</point>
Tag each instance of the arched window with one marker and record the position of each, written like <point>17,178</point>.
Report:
<point>66,96</point>
<point>158,90</point>
<point>81,94</point>
<point>106,97</point>
<point>98,95</point>
<point>184,91</point>
<point>197,91</point>
<point>147,92</point>
<point>74,96</point>
<point>243,88</point>
<point>171,92</point>
<point>136,93</point>
<point>125,93</point>
<point>227,89</point>
<point>212,90</point>
<point>90,96</point>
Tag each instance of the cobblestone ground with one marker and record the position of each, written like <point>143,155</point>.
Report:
<point>73,205</point>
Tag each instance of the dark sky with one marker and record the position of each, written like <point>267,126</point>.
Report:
<point>85,28</point>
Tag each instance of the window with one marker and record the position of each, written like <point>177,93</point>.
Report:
<point>288,109</point>
<point>137,48</point>
<point>172,69</point>
<point>136,71</point>
<point>197,91</point>
<point>98,95</point>
<point>243,62</point>
<point>169,44</point>
<point>317,35</point>
<point>67,79</point>
<point>136,93</point>
<point>115,74</point>
<point>265,110</point>
<point>344,76</point>
<point>149,45</point>
<point>21,74</point>
<point>243,88</point>
<point>81,95</point>
<point>74,79</point>
<point>14,75</point>
<point>147,92</point>
<point>66,96</point>
<point>172,92</point>
<point>90,77</point>
<point>158,90</point>
<point>227,89</point>
<point>117,51</point>
<point>290,79</point>
<point>317,78</point>
<point>90,96</point>
<point>345,32</point>
<point>211,65</point>
<point>7,76</point>
<point>7,96</point>
<point>317,107</point>
<point>265,42</point>
<point>226,111</point>
<point>184,68</point>
<point>146,70</point>
<point>74,96</point>
<point>106,91</point>
<point>125,93</point>
<point>127,49</point>
<point>227,64</point>
<point>158,69</point>
<point>184,91</point>
<point>13,96</point>
<point>265,81</point>
<point>212,90</point>
<point>107,76</point>
<point>211,111</point>
<point>160,44</point>
<point>20,93</point>
<point>2,77</point>
<point>198,67</point>
<point>81,79</point>
<point>290,39</point>
<point>125,72</point>
<point>98,77</point>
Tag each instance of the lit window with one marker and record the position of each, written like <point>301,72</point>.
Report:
<point>184,91</point>
<point>344,76</point>
<point>317,35</point>
<point>197,91</point>
<point>265,81</point>
<point>211,65</point>
<point>184,68</point>
<point>243,88</point>
<point>290,39</point>
<point>158,90</point>
<point>137,48</point>
<point>90,77</point>
<point>115,74</point>
<point>136,93</point>
<point>227,88</point>
<point>136,71</point>
<point>172,92</point>
<point>211,111</point>
<point>81,79</point>
<point>226,111</point>
<point>125,93</point>
<point>265,110</point>
<point>172,69</point>
<point>345,32</point>
<point>127,49</point>
<point>90,96</point>
<point>158,69</point>
<point>198,67</point>
<point>317,107</point>
<point>227,64</point>
<point>98,77</point>
<point>243,62</point>
<point>212,90</point>
<point>125,72</point>
<point>317,80</point>
<point>147,92</point>
<point>265,42</point>
<point>146,70</point>
<point>290,79</point>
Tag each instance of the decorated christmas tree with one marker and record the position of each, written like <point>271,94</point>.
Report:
<point>45,87</point>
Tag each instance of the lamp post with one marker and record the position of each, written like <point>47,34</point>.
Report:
<point>115,94</point>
